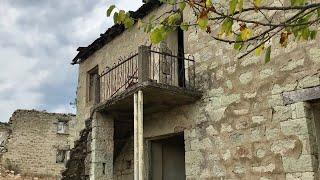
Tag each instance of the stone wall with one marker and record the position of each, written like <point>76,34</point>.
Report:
<point>34,141</point>
<point>123,164</point>
<point>78,166</point>
<point>241,128</point>
<point>4,134</point>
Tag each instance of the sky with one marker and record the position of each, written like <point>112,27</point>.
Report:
<point>38,40</point>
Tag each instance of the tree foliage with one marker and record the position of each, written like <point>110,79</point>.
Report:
<point>249,25</point>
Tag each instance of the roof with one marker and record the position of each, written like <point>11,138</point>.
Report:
<point>113,32</point>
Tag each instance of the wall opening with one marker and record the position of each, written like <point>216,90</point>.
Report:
<point>316,119</point>
<point>167,158</point>
<point>93,85</point>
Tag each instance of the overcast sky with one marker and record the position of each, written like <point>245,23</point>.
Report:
<point>38,39</point>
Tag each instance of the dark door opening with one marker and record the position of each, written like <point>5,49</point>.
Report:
<point>167,158</point>
<point>181,70</point>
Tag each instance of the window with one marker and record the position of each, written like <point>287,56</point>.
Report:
<point>93,86</point>
<point>61,156</point>
<point>62,127</point>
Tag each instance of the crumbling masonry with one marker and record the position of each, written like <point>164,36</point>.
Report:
<point>38,143</point>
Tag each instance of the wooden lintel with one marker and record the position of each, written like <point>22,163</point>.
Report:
<point>301,95</point>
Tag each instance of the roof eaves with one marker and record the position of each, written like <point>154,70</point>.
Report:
<point>112,32</point>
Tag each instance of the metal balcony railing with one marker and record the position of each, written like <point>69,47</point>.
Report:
<point>158,65</point>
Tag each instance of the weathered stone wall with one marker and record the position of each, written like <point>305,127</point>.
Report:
<point>4,134</point>
<point>123,164</point>
<point>241,128</point>
<point>78,166</point>
<point>33,144</point>
<point>120,47</point>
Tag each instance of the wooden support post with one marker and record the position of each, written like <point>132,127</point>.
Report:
<point>140,135</point>
<point>135,138</point>
<point>144,63</point>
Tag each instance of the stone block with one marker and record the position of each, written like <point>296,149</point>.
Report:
<point>309,81</point>
<point>245,78</point>
<point>293,64</point>
<point>305,163</point>
<point>284,146</point>
<point>314,54</point>
<point>282,113</point>
<point>296,127</point>
<point>211,131</point>
<point>269,168</point>
<point>300,176</point>
<point>266,73</point>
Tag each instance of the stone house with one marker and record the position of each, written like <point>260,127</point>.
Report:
<point>38,143</point>
<point>188,109</point>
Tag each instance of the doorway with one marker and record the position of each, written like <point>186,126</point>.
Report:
<point>167,158</point>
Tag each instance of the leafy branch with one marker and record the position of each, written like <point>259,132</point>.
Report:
<point>249,25</point>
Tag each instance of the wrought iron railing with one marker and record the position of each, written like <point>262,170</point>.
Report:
<point>119,77</point>
<point>157,65</point>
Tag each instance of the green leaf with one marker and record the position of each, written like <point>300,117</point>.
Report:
<point>128,22</point>
<point>110,9</point>
<point>238,45</point>
<point>232,6</point>
<point>246,33</point>
<point>313,34</point>
<point>297,2</point>
<point>259,50</point>
<point>305,33</point>
<point>208,3</point>
<point>158,34</point>
<point>318,11</point>
<point>257,3</point>
<point>151,18</point>
<point>202,23</point>
<point>240,5</point>
<point>267,55</point>
<point>121,16</point>
<point>182,5</point>
<point>115,17</point>
<point>226,27</point>
<point>184,26</point>
<point>173,19</point>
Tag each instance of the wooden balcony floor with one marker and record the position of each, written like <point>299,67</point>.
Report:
<point>157,97</point>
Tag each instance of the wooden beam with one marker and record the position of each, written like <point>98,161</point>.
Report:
<point>301,95</point>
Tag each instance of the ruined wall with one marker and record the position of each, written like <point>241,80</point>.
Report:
<point>4,134</point>
<point>241,128</point>
<point>33,144</point>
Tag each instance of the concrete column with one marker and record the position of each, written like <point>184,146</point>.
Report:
<point>138,137</point>
<point>135,138</point>
<point>102,147</point>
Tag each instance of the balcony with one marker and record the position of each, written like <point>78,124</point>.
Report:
<point>167,80</point>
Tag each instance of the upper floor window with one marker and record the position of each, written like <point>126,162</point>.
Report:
<point>62,127</point>
<point>92,82</point>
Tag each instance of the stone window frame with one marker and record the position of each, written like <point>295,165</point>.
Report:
<point>66,127</point>
<point>89,80</point>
